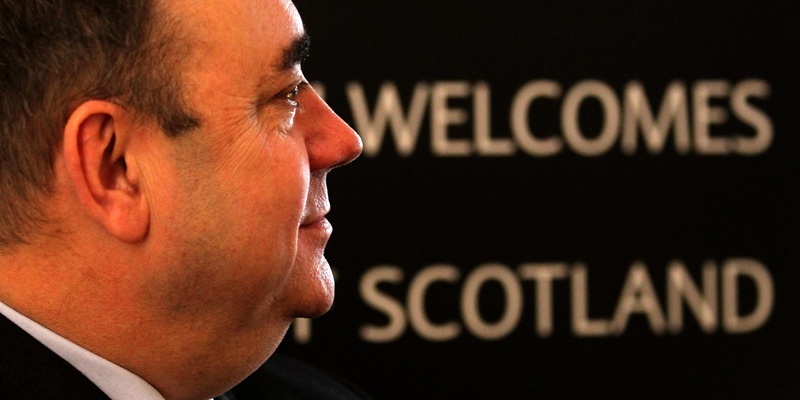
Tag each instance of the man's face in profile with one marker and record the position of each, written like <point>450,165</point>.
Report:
<point>239,203</point>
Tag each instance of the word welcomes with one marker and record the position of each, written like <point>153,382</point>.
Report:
<point>707,117</point>
<point>714,300</point>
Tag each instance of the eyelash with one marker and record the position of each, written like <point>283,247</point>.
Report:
<point>291,94</point>
<point>286,98</point>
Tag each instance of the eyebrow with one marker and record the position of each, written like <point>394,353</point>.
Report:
<point>297,52</point>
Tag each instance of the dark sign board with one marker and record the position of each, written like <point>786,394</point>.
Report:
<point>564,199</point>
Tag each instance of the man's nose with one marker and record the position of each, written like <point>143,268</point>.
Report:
<point>330,141</point>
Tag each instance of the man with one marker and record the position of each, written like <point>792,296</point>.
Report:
<point>162,194</point>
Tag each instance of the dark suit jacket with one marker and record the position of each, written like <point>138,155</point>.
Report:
<point>30,371</point>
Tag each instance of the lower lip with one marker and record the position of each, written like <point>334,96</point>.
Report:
<point>321,226</point>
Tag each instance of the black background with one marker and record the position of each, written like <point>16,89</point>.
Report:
<point>605,211</point>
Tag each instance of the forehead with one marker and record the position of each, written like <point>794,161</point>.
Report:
<point>237,31</point>
<point>232,15</point>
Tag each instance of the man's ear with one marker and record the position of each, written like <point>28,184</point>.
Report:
<point>103,171</point>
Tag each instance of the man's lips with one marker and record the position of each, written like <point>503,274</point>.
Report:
<point>315,219</point>
<point>318,227</point>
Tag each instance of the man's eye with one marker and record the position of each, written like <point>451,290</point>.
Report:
<point>291,95</point>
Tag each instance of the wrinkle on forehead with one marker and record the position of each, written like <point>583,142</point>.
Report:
<point>224,23</point>
<point>243,42</point>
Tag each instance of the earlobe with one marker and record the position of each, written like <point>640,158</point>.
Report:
<point>102,169</point>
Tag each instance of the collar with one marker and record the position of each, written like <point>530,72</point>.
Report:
<point>115,381</point>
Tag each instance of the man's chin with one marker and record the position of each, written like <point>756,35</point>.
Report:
<point>322,299</point>
<point>312,294</point>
